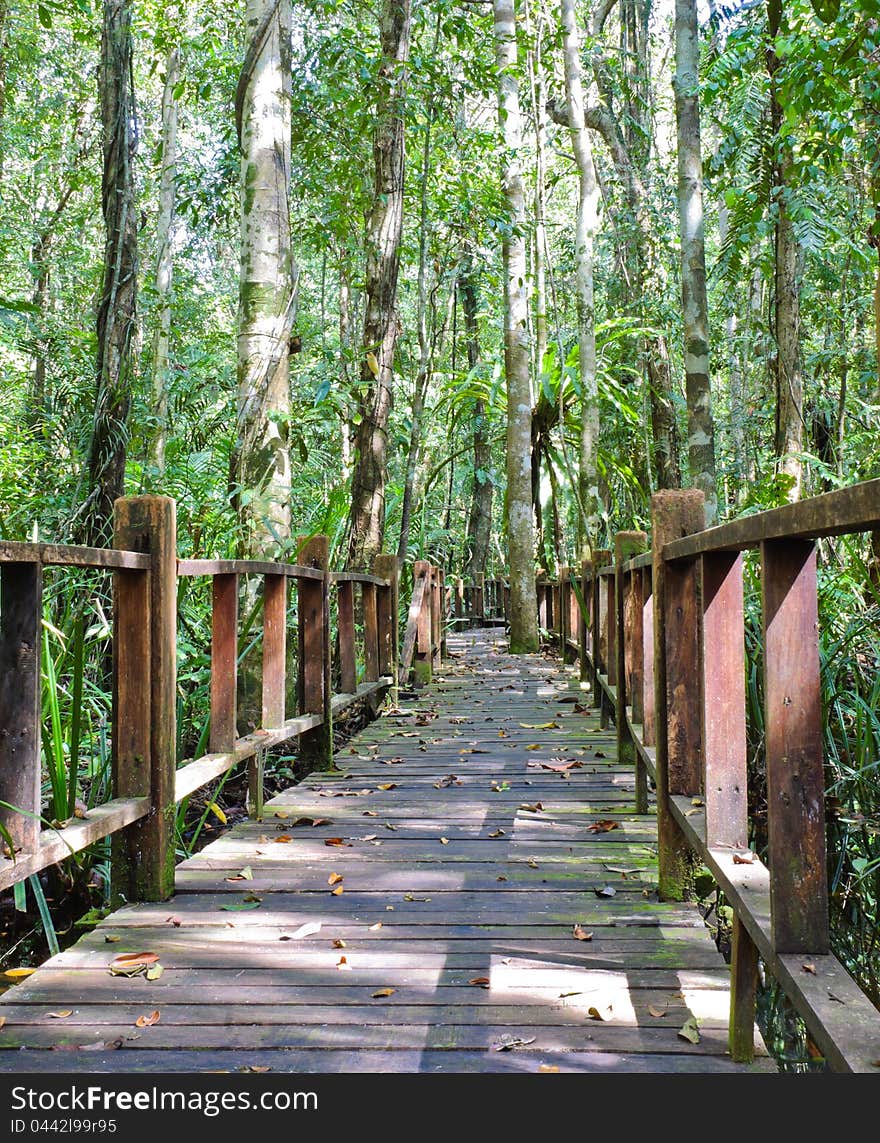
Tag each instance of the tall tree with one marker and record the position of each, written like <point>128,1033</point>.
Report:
<point>695,304</point>
<point>479,532</point>
<point>520,524</point>
<point>118,301</point>
<point>384,228</point>
<point>587,222</point>
<point>260,468</point>
<point>165,258</point>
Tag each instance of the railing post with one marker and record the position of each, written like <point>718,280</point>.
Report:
<point>583,622</point>
<point>313,652</point>
<point>422,664</point>
<point>627,545</point>
<point>144,859</point>
<point>387,606</point>
<point>346,630</point>
<point>224,663</point>
<point>459,601</point>
<point>541,592</point>
<point>562,618</point>
<point>676,513</point>
<point>649,727</point>
<point>21,614</point>
<point>371,632</point>
<point>598,639</point>
<point>793,737</point>
<point>274,688</point>
<point>441,617</point>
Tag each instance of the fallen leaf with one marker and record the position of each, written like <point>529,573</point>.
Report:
<point>107,1046</point>
<point>604,825</point>
<point>580,933</point>
<point>343,965</point>
<point>283,838</point>
<point>154,972</point>
<point>339,943</point>
<point>245,874</point>
<point>548,1067</point>
<point>656,1010</point>
<point>507,1043</point>
<point>382,992</point>
<point>375,928</point>
<point>392,761</point>
<point>532,807</point>
<point>337,841</point>
<point>689,1031</point>
<point>534,746</point>
<point>602,1011</point>
<point>410,897</point>
<point>61,1015</point>
<point>606,891</point>
<point>18,973</point>
<point>369,814</point>
<point>599,754</point>
<point>147,1021</point>
<point>130,964</point>
<point>743,858</point>
<point>369,837</point>
<point>175,921</point>
<point>334,878</point>
<point>540,725</point>
<point>500,878</point>
<point>449,780</point>
<point>337,892</point>
<point>564,995</point>
<point>497,833</point>
<point>217,812</point>
<point>387,786</point>
<point>112,939</point>
<point>532,864</point>
<point>444,841</point>
<point>307,821</point>
<point>306,930</point>
<point>393,828</point>
<point>697,802</point>
<point>480,981</point>
<point>256,1069</point>
<point>811,968</point>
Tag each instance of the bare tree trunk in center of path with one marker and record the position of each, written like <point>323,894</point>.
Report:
<point>118,303</point>
<point>384,228</point>
<point>587,223</point>
<point>480,519</point>
<point>695,305</point>
<point>520,525</point>
<point>261,463</point>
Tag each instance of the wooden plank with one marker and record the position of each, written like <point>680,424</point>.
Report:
<point>387,606</point>
<point>724,701</point>
<point>837,513</point>
<point>371,633</point>
<point>377,579</point>
<point>743,988</point>
<point>628,624</point>
<point>224,663</point>
<point>313,653</point>
<point>149,524</point>
<point>676,666</point>
<point>793,737</point>
<point>69,556</point>
<point>274,651</point>
<point>649,731</point>
<point>21,612</point>
<point>131,738</point>
<point>57,844</point>
<point>420,586</point>
<point>246,567</point>
<point>345,628</point>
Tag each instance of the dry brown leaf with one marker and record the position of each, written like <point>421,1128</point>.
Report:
<point>387,786</point>
<point>380,993</point>
<point>375,928</point>
<point>18,973</point>
<point>601,1011</point>
<point>604,825</point>
<point>369,814</point>
<point>337,892</point>
<point>444,841</point>
<point>61,1015</point>
<point>148,1021</point>
<point>133,960</point>
<point>534,746</point>
<point>532,807</point>
<point>500,878</point>
<point>339,943</point>
<point>497,833</point>
<point>743,858</point>
<point>480,981</point>
<point>656,1010</point>
<point>369,837</point>
<point>548,1067</point>
<point>343,965</point>
<point>811,968</point>
<point>580,933</point>
<point>532,864</point>
<point>334,878</point>
<point>114,939</point>
<point>283,838</point>
<point>337,841</point>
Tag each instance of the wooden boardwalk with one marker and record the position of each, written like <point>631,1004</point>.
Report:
<point>428,924</point>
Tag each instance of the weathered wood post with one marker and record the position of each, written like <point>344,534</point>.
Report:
<point>21,613</point>
<point>649,727</point>
<point>422,664</point>
<point>793,736</point>
<point>313,652</point>
<point>676,513</point>
<point>387,605</point>
<point>441,617</point>
<point>541,592</point>
<point>627,545</point>
<point>145,760</point>
<point>346,629</point>
<point>371,632</point>
<point>459,602</point>
<point>599,635</point>
<point>584,621</point>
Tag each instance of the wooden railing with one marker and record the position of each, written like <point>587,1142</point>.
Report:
<point>424,643</point>
<point>148,780</point>
<point>484,601</point>
<point>660,638</point>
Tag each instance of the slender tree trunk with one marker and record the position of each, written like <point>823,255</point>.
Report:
<point>4,40</point>
<point>520,526</point>
<point>695,304</point>
<point>480,518</point>
<point>117,308</point>
<point>539,123</point>
<point>367,519</point>
<point>346,326</point>
<point>165,261</point>
<point>789,440</point>
<point>587,224</point>
<point>267,284</point>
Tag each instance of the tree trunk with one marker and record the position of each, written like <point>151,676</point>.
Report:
<point>520,526</point>
<point>384,228</point>
<point>117,307</point>
<point>346,326</point>
<point>587,223</point>
<point>539,123</point>
<point>789,441</point>
<point>695,305</point>
<point>4,39</point>
<point>267,284</point>
<point>164,261</point>
<point>480,518</point>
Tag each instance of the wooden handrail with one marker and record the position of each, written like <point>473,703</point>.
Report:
<point>148,780</point>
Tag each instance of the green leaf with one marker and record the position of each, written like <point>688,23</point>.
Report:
<point>45,16</point>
